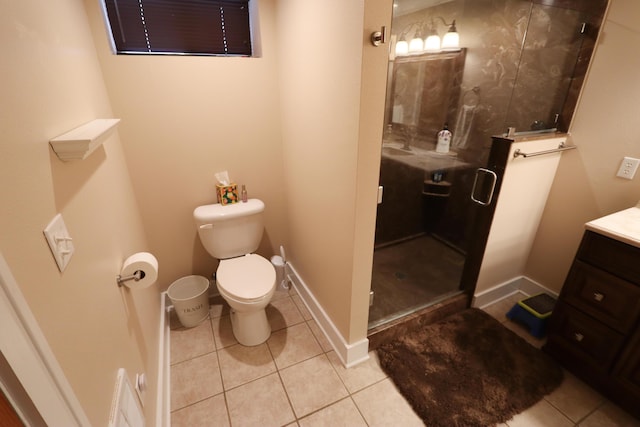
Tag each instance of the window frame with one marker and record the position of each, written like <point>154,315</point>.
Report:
<point>251,42</point>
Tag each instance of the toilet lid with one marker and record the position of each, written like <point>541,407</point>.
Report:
<point>247,277</point>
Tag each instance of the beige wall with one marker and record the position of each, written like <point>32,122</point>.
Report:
<point>523,194</point>
<point>605,129</point>
<point>319,139</point>
<point>332,149</point>
<point>51,83</point>
<point>184,118</point>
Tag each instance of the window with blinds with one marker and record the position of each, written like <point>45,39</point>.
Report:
<point>191,27</point>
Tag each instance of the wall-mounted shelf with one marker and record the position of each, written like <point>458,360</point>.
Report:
<point>80,142</point>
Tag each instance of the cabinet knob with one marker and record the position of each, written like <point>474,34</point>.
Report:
<point>598,296</point>
<point>578,336</point>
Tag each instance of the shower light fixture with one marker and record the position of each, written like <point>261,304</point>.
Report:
<point>416,45</point>
<point>451,40</point>
<point>432,43</point>
<point>402,47</point>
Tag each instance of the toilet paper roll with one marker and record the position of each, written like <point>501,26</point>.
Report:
<point>144,262</point>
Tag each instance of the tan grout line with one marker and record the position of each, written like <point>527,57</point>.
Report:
<point>293,411</point>
<point>358,408</point>
<point>215,347</point>
<point>331,404</point>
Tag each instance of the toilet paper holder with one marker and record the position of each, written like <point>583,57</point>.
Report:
<point>137,275</point>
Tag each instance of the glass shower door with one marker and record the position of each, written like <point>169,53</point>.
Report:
<point>421,226</point>
<point>516,68</point>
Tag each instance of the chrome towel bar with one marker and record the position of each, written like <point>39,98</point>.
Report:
<point>561,147</point>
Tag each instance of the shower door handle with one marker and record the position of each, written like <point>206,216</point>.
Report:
<point>492,175</point>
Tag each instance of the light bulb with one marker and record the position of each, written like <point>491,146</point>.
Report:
<point>451,41</point>
<point>432,43</point>
<point>416,45</point>
<point>402,48</point>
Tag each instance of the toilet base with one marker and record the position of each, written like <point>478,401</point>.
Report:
<point>250,328</point>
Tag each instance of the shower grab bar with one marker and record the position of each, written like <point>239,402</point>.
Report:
<point>561,147</point>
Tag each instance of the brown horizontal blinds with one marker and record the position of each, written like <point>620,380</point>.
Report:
<point>197,27</point>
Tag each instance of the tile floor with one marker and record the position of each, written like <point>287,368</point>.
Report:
<point>401,281</point>
<point>296,379</point>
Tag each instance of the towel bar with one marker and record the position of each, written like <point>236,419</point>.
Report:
<point>561,147</point>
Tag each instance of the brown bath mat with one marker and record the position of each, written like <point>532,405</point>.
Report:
<point>468,370</point>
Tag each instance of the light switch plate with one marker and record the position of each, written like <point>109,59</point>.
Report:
<point>59,241</point>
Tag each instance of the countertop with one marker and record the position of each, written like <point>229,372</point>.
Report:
<point>623,226</point>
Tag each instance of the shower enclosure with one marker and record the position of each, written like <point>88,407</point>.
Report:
<point>520,65</point>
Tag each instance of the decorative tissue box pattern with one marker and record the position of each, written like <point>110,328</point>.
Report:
<point>227,194</point>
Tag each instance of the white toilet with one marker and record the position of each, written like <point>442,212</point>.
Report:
<point>245,280</point>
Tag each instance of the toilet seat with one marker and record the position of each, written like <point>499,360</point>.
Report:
<point>246,278</point>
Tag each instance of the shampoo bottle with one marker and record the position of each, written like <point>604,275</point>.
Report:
<point>444,140</point>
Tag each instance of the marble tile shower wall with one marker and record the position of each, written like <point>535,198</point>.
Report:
<point>506,82</point>
<point>401,214</point>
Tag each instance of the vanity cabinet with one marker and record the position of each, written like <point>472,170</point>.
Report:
<point>593,331</point>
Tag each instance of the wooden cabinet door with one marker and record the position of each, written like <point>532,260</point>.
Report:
<point>627,370</point>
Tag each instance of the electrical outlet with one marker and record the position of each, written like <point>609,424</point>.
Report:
<point>60,243</point>
<point>628,168</point>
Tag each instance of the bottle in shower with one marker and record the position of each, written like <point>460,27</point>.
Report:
<point>444,140</point>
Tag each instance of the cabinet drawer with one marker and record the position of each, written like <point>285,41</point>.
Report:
<point>584,338</point>
<point>611,255</point>
<point>604,296</point>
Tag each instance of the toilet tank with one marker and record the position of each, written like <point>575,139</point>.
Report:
<point>227,231</point>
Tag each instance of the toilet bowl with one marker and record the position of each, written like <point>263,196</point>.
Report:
<point>245,280</point>
<point>247,284</point>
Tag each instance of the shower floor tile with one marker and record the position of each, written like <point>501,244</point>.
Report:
<point>411,275</point>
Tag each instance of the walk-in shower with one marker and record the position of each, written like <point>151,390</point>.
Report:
<point>520,64</point>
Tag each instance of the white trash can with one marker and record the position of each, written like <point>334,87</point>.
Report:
<point>190,299</point>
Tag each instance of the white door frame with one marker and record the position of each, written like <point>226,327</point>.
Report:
<point>27,351</point>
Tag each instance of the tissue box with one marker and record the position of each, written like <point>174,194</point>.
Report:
<point>227,194</point>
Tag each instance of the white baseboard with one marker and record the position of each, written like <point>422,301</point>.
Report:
<point>521,284</point>
<point>163,398</point>
<point>349,354</point>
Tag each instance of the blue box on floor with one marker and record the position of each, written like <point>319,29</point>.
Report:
<point>533,313</point>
